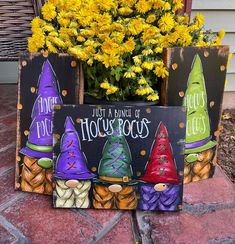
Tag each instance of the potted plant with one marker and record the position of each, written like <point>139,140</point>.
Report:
<point>119,42</point>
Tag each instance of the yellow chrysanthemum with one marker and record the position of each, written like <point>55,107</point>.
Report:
<point>129,74</point>
<point>178,4</point>
<point>151,18</point>
<point>147,65</point>
<point>199,20</point>
<point>125,11</point>
<point>143,6</point>
<point>142,81</point>
<point>221,34</point>
<point>160,70</point>
<point>136,69</point>
<point>153,97</point>
<point>48,11</point>
<point>183,35</point>
<point>129,45</point>
<point>109,47</point>
<point>166,23</point>
<point>105,85</point>
<point>137,60</point>
<point>37,23</point>
<point>136,26</point>
<point>111,90</point>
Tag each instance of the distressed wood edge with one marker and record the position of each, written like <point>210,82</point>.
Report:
<point>18,136</point>
<point>167,52</point>
<point>81,85</point>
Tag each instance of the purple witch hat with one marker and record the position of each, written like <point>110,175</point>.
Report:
<point>71,162</point>
<point>39,144</point>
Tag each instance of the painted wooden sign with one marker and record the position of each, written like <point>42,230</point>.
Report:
<point>43,82</point>
<point>196,80</point>
<point>118,157</point>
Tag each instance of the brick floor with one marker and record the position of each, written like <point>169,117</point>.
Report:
<point>208,214</point>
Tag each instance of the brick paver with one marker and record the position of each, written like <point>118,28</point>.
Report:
<point>208,214</point>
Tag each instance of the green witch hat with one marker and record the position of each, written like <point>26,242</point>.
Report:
<point>115,164</point>
<point>198,136</point>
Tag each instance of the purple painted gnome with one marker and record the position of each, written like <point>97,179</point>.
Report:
<point>37,167</point>
<point>72,177</point>
<point>160,189</point>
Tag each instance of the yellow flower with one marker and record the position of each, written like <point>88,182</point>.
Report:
<point>149,33</point>
<point>147,52</point>
<point>48,28</point>
<point>48,11</point>
<point>37,23</point>
<point>183,35</point>
<point>125,11</point>
<point>103,19</point>
<point>151,18</point>
<point>199,20</point>
<point>143,6</point>
<point>110,60</point>
<point>80,38</point>
<point>129,45</point>
<point>136,69</point>
<point>221,34</point>
<point>109,47</point>
<point>140,91</point>
<point>105,5</point>
<point>147,65</point>
<point>137,60</point>
<point>178,4</point>
<point>166,6</point>
<point>31,45</point>
<point>158,4</point>
<point>158,50</point>
<point>111,90</point>
<point>142,81</point>
<point>153,97</point>
<point>160,70</point>
<point>79,53</point>
<point>51,47</point>
<point>136,26</point>
<point>166,23</point>
<point>127,3</point>
<point>129,74</point>
<point>105,85</point>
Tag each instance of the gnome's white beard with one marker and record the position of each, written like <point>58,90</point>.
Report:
<point>77,197</point>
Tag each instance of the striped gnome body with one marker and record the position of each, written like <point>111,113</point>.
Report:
<point>72,177</point>
<point>36,175</point>
<point>199,146</point>
<point>114,188</point>
<point>159,188</point>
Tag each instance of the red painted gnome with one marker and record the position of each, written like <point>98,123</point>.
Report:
<point>160,187</point>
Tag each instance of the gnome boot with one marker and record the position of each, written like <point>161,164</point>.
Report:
<point>34,178</point>
<point>72,197</point>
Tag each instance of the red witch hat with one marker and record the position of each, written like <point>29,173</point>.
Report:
<point>161,167</point>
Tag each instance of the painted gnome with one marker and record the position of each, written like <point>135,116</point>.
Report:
<point>199,148</point>
<point>37,164</point>
<point>160,186</point>
<point>72,177</point>
<point>114,188</point>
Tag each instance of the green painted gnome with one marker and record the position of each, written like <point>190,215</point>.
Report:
<point>114,188</point>
<point>199,146</point>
